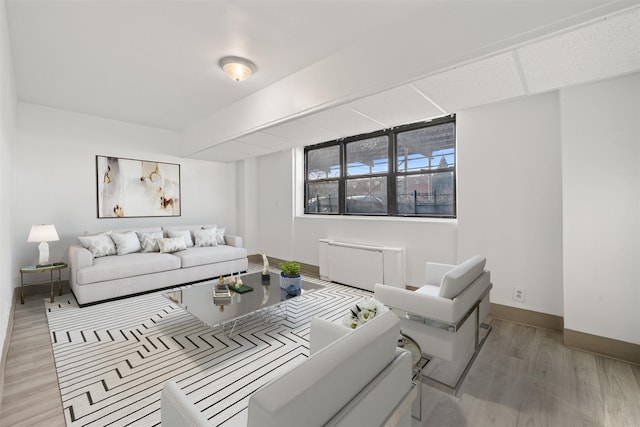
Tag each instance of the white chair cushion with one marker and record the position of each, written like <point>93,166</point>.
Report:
<point>434,272</point>
<point>323,332</point>
<point>458,278</point>
<point>176,410</point>
<point>431,290</point>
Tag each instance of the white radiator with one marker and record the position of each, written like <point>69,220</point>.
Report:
<point>361,265</point>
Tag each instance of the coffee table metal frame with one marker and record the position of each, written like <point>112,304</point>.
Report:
<point>267,314</point>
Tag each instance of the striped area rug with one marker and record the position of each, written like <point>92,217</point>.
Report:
<point>112,359</point>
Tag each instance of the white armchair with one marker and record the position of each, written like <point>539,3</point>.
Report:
<point>352,377</point>
<point>445,315</point>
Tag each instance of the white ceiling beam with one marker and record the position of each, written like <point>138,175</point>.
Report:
<point>406,51</point>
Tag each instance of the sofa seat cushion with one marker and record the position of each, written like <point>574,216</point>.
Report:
<point>119,267</point>
<point>192,257</point>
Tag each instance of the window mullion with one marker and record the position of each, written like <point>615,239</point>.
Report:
<point>342,181</point>
<point>392,200</point>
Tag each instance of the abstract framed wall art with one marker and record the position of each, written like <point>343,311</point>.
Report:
<point>129,188</point>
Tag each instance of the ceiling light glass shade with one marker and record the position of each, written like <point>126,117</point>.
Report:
<point>237,68</point>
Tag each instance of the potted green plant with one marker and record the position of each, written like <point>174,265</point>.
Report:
<point>290,279</point>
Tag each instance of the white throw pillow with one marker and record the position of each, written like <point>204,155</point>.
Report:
<point>126,243</point>
<point>185,234</point>
<point>220,235</point>
<point>99,245</point>
<point>206,237</point>
<point>149,241</point>
<point>172,244</point>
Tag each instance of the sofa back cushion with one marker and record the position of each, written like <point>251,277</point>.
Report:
<point>169,230</point>
<point>461,276</point>
<point>205,237</point>
<point>126,243</point>
<point>185,234</point>
<point>172,244</point>
<point>99,244</point>
<point>124,230</point>
<point>313,392</point>
<point>149,241</point>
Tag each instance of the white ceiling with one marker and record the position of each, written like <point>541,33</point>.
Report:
<point>326,69</point>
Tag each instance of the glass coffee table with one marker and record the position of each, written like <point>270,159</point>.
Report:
<point>263,301</point>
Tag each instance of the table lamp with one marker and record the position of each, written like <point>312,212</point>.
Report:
<point>43,233</point>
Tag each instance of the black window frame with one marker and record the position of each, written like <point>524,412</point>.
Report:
<point>391,175</point>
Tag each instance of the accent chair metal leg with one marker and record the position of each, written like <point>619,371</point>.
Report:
<point>455,388</point>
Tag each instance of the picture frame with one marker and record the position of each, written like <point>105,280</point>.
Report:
<point>131,188</point>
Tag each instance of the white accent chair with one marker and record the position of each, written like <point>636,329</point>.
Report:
<point>352,377</point>
<point>445,315</point>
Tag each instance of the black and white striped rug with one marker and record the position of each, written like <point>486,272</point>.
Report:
<point>112,359</point>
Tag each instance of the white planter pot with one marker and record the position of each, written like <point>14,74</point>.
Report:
<point>287,281</point>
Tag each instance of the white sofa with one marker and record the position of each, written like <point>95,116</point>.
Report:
<point>352,378</point>
<point>94,279</point>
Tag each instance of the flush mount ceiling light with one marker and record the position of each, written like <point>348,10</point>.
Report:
<point>237,68</point>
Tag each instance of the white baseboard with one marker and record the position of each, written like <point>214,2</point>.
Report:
<point>7,340</point>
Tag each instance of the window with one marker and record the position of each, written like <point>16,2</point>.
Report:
<point>404,171</point>
<point>425,165</point>
<point>367,166</point>
<point>322,181</point>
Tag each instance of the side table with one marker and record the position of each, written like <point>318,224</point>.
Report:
<point>416,361</point>
<point>42,269</point>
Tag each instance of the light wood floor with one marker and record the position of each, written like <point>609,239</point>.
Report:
<point>31,396</point>
<point>523,377</point>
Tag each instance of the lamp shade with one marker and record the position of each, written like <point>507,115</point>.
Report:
<point>43,233</point>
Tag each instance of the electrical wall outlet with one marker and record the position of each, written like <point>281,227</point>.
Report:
<point>518,294</point>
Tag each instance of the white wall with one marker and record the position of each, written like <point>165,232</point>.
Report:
<point>56,178</point>
<point>601,208</point>
<point>502,149</point>
<point>8,102</point>
<point>275,205</point>
<point>247,203</point>
<point>510,197</point>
